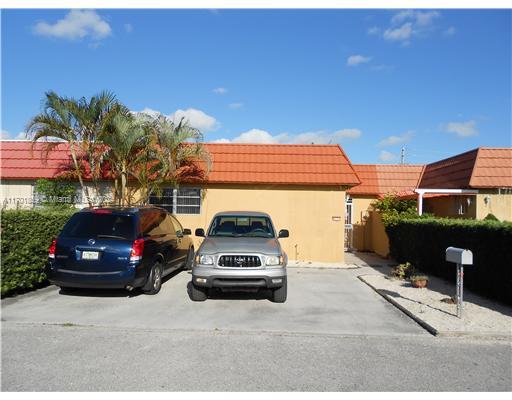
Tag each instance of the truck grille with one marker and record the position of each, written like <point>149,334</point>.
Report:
<point>239,261</point>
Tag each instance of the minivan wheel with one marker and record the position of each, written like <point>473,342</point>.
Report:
<point>279,294</point>
<point>190,260</point>
<point>154,283</point>
<point>197,293</point>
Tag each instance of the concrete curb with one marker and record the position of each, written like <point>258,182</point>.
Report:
<point>433,330</point>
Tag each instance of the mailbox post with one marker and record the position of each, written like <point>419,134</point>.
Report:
<point>460,257</point>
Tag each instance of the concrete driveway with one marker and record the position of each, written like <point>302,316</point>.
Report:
<point>324,301</point>
<point>334,333</point>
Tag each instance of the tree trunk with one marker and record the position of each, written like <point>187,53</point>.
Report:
<point>123,184</point>
<point>79,173</point>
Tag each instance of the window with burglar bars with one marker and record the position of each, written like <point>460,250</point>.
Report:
<point>179,201</point>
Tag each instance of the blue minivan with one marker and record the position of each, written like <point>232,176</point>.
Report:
<point>119,248</point>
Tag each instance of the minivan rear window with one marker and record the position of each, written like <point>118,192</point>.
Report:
<point>100,226</point>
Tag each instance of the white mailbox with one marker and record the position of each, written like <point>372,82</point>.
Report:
<point>459,256</point>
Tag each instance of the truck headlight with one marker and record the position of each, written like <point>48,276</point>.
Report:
<point>204,259</point>
<point>274,260</point>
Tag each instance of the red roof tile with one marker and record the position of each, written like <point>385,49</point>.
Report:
<point>379,179</point>
<point>479,168</point>
<point>232,163</point>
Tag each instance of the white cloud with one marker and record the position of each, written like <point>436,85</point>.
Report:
<point>316,137</point>
<point>374,30</point>
<point>386,156</point>
<point>402,33</point>
<point>420,18</point>
<point>357,59</point>
<point>450,31</point>
<point>424,18</point>
<point>255,136</point>
<point>5,135</point>
<point>128,28</point>
<point>220,90</point>
<point>462,129</point>
<point>77,24</point>
<point>221,141</point>
<point>149,111</point>
<point>196,118</point>
<point>397,139</point>
<point>235,106</point>
<point>406,24</point>
<point>348,134</point>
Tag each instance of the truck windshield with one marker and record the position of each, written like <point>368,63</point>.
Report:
<point>241,226</point>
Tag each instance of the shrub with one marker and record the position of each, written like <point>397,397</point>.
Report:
<point>26,236</point>
<point>55,194</point>
<point>393,209</point>
<point>403,271</point>
<point>423,243</point>
<point>491,217</point>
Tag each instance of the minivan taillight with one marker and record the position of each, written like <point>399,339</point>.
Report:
<point>137,250</point>
<point>51,250</point>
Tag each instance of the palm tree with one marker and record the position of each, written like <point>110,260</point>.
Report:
<point>124,139</point>
<point>82,124</point>
<point>167,148</point>
<point>57,122</point>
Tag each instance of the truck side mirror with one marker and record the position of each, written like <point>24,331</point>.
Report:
<point>200,232</point>
<point>283,233</point>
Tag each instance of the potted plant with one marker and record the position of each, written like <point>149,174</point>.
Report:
<point>419,281</point>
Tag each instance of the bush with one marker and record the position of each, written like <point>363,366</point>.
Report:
<point>392,209</point>
<point>491,217</point>
<point>423,243</point>
<point>403,271</point>
<point>55,194</point>
<point>26,236</point>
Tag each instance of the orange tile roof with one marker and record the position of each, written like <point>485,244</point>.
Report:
<point>483,167</point>
<point>379,179</point>
<point>232,163</point>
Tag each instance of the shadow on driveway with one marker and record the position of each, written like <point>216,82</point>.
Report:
<point>81,292</point>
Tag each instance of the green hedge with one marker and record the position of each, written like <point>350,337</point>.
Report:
<point>26,236</point>
<point>423,243</point>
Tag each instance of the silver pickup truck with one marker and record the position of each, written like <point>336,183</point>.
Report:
<point>241,251</point>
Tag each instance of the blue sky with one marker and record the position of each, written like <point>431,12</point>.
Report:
<point>435,81</point>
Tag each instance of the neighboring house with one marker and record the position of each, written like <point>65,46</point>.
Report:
<point>301,186</point>
<point>469,185</point>
<point>376,181</point>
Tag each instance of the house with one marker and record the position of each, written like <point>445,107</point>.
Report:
<point>301,186</point>
<point>469,185</point>
<point>377,180</point>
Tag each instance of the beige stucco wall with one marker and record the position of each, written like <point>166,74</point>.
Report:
<point>314,215</point>
<point>447,206</point>
<point>379,241</point>
<point>307,212</point>
<point>16,194</point>
<point>19,193</point>
<point>500,205</point>
<point>361,206</point>
<point>369,233</point>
